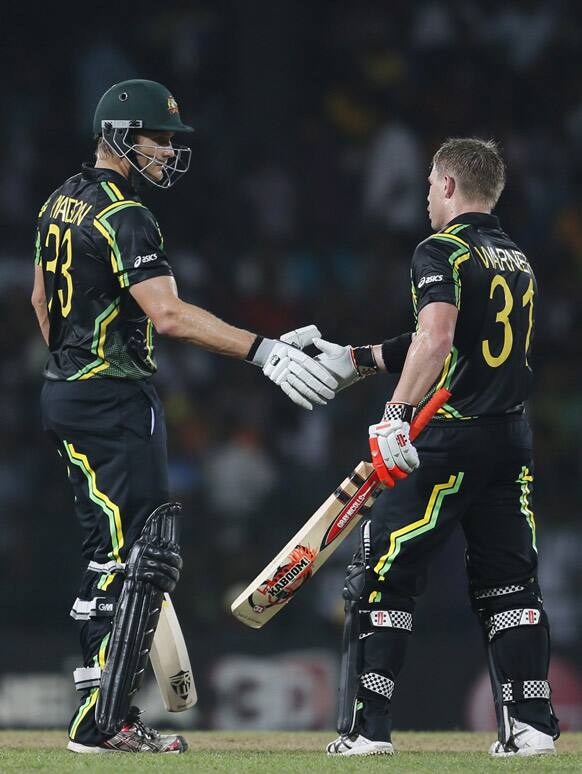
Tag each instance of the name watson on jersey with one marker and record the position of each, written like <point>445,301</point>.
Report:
<point>70,210</point>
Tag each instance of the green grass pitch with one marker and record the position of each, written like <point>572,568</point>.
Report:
<point>281,753</point>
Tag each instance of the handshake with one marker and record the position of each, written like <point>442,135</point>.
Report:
<point>308,380</point>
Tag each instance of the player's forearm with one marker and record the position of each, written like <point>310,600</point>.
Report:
<point>424,362</point>
<point>391,354</point>
<point>41,311</point>
<point>377,354</point>
<point>388,356</point>
<point>203,329</point>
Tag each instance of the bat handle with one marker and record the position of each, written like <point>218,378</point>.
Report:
<point>428,411</point>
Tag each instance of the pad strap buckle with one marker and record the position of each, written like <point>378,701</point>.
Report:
<point>106,567</point>
<point>87,677</point>
<point>509,619</point>
<point>372,620</point>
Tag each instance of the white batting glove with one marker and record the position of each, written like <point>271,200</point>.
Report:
<point>348,364</point>
<point>393,454</point>
<point>339,361</point>
<point>301,337</point>
<point>301,377</point>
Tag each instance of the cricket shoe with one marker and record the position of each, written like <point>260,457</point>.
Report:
<point>135,737</point>
<point>524,740</point>
<point>358,745</point>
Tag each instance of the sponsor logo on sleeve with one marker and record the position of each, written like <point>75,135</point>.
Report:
<point>430,279</point>
<point>141,259</point>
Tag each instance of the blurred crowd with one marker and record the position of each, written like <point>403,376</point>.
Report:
<point>316,123</point>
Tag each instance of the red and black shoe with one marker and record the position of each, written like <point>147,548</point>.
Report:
<point>135,737</point>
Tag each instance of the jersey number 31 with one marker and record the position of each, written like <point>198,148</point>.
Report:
<point>499,282</point>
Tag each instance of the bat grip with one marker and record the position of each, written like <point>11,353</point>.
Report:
<point>427,412</point>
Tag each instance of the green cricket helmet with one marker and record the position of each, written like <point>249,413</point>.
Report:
<point>134,105</point>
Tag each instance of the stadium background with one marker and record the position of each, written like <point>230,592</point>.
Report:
<point>315,124</point>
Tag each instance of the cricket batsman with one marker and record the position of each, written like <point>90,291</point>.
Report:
<point>474,295</point>
<point>102,285</point>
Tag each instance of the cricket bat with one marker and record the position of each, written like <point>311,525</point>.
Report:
<point>171,663</point>
<point>313,544</point>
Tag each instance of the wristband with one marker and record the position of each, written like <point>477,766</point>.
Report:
<point>364,361</point>
<point>403,411</point>
<point>253,350</point>
<point>394,352</point>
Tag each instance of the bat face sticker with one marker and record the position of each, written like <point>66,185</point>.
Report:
<point>352,508</point>
<point>286,580</point>
<point>181,683</point>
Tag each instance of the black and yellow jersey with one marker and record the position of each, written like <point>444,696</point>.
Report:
<point>94,240</point>
<point>473,264</point>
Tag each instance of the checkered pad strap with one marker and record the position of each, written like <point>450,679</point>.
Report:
<point>522,690</point>
<point>509,619</point>
<point>378,684</point>
<point>501,591</point>
<point>391,619</point>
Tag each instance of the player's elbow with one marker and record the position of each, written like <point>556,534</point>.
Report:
<point>436,342</point>
<point>166,320</point>
<point>440,344</point>
<point>38,299</point>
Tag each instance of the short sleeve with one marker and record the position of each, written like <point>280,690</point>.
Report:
<point>37,250</point>
<point>37,245</point>
<point>136,243</point>
<point>433,274</point>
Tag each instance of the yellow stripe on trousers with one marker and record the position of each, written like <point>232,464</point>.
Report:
<point>109,508</point>
<point>420,526</point>
<point>94,695</point>
<point>524,479</point>
<point>83,710</point>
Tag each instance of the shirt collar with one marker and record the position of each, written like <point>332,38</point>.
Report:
<point>484,219</point>
<point>101,174</point>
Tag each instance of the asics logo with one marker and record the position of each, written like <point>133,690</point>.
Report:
<point>144,259</point>
<point>429,279</point>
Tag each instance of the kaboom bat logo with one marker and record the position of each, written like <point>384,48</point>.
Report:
<point>286,581</point>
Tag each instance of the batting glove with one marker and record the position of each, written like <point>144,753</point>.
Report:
<point>347,364</point>
<point>301,377</point>
<point>393,454</point>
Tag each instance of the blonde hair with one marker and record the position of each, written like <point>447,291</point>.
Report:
<point>103,150</point>
<point>475,164</point>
